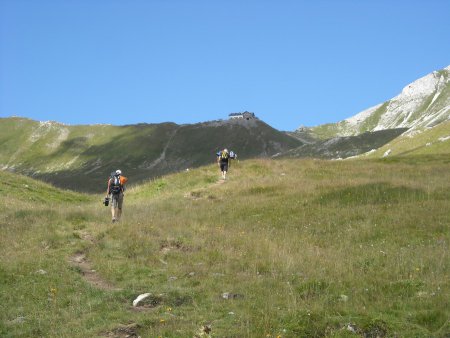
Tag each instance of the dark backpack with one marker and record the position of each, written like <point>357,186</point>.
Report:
<point>115,187</point>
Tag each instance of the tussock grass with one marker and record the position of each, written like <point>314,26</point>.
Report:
<point>302,248</point>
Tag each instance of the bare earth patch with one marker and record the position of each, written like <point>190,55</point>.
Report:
<point>90,275</point>
<point>123,331</point>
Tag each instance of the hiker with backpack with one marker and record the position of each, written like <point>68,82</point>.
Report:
<point>223,161</point>
<point>114,194</point>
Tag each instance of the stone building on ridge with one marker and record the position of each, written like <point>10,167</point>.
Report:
<point>245,115</point>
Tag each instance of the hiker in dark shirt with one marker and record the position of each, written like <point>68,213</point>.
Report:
<point>223,161</point>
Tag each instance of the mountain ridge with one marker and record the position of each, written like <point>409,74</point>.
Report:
<point>80,157</point>
<point>423,103</point>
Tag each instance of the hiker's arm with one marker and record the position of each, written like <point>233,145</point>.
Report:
<point>107,189</point>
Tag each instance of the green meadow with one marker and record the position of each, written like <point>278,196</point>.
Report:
<point>283,248</point>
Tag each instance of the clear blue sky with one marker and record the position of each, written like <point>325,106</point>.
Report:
<point>291,62</point>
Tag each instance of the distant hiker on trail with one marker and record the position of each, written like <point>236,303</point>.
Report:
<point>116,187</point>
<point>223,161</point>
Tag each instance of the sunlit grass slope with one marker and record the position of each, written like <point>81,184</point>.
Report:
<point>299,248</point>
<point>426,142</point>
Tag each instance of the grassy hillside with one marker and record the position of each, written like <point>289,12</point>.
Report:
<point>78,157</point>
<point>431,141</point>
<point>328,130</point>
<point>344,147</point>
<point>23,191</point>
<point>341,128</point>
<point>285,248</point>
<point>82,157</point>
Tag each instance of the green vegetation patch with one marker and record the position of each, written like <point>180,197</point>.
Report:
<point>403,288</point>
<point>373,193</point>
<point>25,189</point>
<point>329,130</point>
<point>430,142</point>
<point>374,118</point>
<point>263,190</point>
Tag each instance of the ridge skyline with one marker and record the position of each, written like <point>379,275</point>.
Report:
<point>352,120</point>
<point>296,63</point>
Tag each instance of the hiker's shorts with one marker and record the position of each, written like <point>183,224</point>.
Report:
<point>223,166</point>
<point>117,200</point>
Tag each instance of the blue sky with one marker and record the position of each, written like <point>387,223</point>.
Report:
<point>186,61</point>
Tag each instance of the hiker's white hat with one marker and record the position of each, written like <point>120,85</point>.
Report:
<point>118,172</point>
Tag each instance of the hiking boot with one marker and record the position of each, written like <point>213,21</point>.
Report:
<point>113,220</point>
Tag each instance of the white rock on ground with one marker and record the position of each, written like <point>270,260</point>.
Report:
<point>140,298</point>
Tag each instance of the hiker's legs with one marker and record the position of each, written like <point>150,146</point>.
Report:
<point>115,214</point>
<point>115,205</point>
<point>223,169</point>
<point>119,206</point>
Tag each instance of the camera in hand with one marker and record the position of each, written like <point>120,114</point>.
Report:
<point>106,201</point>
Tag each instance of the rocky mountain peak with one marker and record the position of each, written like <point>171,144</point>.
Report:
<point>422,103</point>
<point>425,85</point>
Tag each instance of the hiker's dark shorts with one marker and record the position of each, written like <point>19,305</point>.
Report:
<point>223,166</point>
<point>117,200</point>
